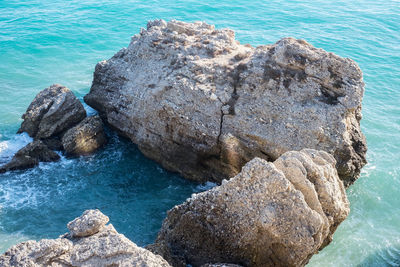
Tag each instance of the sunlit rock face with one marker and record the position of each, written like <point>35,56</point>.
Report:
<point>200,103</point>
<point>270,214</point>
<point>84,138</point>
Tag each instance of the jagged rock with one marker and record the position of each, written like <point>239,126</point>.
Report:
<point>54,110</point>
<point>104,248</point>
<point>270,214</point>
<point>84,138</point>
<point>202,104</point>
<point>29,156</point>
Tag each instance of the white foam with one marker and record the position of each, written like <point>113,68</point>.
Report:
<point>9,147</point>
<point>205,186</point>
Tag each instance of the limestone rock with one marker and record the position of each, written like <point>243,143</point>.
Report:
<point>30,156</point>
<point>84,138</point>
<point>91,222</point>
<point>104,248</point>
<point>54,110</point>
<point>270,214</point>
<point>196,100</point>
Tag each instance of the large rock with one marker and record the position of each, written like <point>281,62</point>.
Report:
<point>54,110</point>
<point>202,104</point>
<point>29,156</point>
<point>84,138</point>
<point>270,214</point>
<point>104,247</point>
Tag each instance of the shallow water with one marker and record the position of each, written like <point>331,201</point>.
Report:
<point>43,42</point>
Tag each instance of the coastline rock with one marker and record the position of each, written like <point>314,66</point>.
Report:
<point>29,156</point>
<point>200,103</point>
<point>84,138</point>
<point>104,248</point>
<point>91,222</point>
<point>270,214</point>
<point>54,110</point>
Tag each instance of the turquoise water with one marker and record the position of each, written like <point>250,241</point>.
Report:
<point>43,42</point>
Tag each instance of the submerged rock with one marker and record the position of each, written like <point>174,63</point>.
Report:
<point>54,110</point>
<point>103,247</point>
<point>194,99</point>
<point>84,138</point>
<point>29,156</point>
<point>270,214</point>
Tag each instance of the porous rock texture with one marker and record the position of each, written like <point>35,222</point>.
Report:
<point>103,248</point>
<point>54,110</point>
<point>30,156</point>
<point>196,100</point>
<point>270,214</point>
<point>84,138</point>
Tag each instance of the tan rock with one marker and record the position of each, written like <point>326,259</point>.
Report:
<point>270,214</point>
<point>91,222</point>
<point>84,138</point>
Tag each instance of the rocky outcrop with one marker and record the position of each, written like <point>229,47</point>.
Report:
<point>84,138</point>
<point>30,156</point>
<point>56,120</point>
<point>202,104</point>
<point>100,245</point>
<point>270,214</point>
<point>54,110</point>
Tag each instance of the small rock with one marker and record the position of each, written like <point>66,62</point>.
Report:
<point>30,156</point>
<point>91,222</point>
<point>104,248</point>
<point>84,138</point>
<point>54,110</point>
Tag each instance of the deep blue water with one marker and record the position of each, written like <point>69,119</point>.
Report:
<point>45,42</point>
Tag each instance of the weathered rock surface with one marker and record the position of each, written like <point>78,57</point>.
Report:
<point>270,214</point>
<point>104,248</point>
<point>91,222</point>
<point>84,138</point>
<point>56,120</point>
<point>202,104</point>
<point>30,156</point>
<point>54,110</point>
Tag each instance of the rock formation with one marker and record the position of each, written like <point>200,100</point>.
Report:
<point>90,243</point>
<point>54,110</point>
<point>270,214</point>
<point>57,121</point>
<point>84,138</point>
<point>202,104</point>
<point>30,156</point>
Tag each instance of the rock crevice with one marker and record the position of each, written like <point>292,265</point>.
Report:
<point>188,88</point>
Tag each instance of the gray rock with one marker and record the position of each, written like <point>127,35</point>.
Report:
<point>54,110</point>
<point>29,156</point>
<point>91,222</point>
<point>270,214</point>
<point>202,104</point>
<point>84,138</point>
<point>104,248</point>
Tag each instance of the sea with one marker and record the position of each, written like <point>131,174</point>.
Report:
<point>57,41</point>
